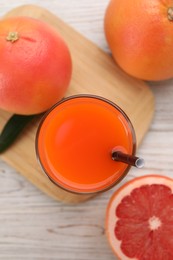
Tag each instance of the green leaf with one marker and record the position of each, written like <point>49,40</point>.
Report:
<point>12,129</point>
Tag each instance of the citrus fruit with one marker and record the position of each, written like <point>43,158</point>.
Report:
<point>139,220</point>
<point>139,34</point>
<point>35,67</point>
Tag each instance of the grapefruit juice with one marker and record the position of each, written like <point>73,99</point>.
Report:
<point>75,140</point>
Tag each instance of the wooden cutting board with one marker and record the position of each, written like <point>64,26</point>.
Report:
<point>94,72</point>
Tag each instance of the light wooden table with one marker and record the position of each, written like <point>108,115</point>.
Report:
<point>32,225</point>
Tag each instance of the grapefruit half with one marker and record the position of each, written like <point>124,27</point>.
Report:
<point>139,219</point>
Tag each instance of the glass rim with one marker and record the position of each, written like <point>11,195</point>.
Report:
<point>65,99</point>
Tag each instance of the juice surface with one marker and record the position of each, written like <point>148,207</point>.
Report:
<point>75,141</point>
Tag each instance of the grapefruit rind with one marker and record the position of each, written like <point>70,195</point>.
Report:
<point>116,199</point>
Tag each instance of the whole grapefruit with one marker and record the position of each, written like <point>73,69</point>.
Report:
<point>139,219</point>
<point>140,36</point>
<point>35,67</point>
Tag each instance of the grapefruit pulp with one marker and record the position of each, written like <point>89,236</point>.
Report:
<point>139,219</point>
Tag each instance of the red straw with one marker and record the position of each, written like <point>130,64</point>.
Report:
<point>128,159</point>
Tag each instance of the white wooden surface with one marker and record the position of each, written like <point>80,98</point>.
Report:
<point>32,225</point>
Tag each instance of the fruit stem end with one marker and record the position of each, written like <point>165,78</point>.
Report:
<point>170,13</point>
<point>12,36</point>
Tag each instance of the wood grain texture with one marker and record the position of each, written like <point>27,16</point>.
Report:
<point>94,72</point>
<point>35,227</point>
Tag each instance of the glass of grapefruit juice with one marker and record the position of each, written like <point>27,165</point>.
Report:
<point>75,141</point>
